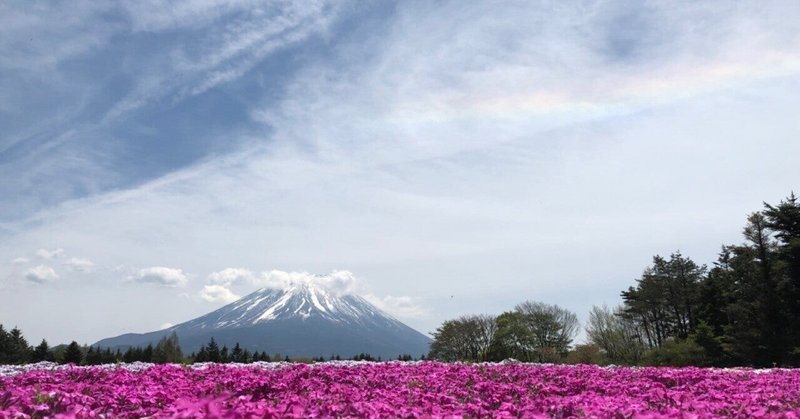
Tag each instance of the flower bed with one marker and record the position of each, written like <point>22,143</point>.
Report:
<point>395,389</point>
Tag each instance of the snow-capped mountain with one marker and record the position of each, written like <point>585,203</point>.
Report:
<point>302,320</point>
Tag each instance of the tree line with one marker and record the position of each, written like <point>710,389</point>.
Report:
<point>742,311</point>
<point>14,349</point>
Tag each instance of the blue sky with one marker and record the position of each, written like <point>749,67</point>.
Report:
<point>160,158</point>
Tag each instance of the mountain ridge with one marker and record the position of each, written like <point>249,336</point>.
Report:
<point>303,319</point>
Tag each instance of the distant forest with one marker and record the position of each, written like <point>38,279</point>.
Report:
<point>742,311</point>
<point>14,349</point>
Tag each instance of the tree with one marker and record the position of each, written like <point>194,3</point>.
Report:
<point>755,332</point>
<point>617,337</point>
<point>168,350</point>
<point>664,301</point>
<point>535,332</point>
<point>783,220</point>
<point>466,338</point>
<point>212,351</point>
<point>94,356</point>
<point>5,346</point>
<point>42,353</point>
<point>73,354</point>
<point>551,326</point>
<point>18,350</point>
<point>237,354</point>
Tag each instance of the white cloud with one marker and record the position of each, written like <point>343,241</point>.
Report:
<point>398,306</point>
<point>19,261</point>
<point>160,275</point>
<point>342,282</point>
<point>231,276</point>
<point>217,293</point>
<point>337,282</point>
<point>80,264</point>
<point>47,254</point>
<point>166,325</point>
<point>41,274</point>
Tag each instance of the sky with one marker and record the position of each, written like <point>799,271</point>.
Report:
<point>159,159</point>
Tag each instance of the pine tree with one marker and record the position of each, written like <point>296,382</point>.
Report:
<point>783,220</point>
<point>73,354</point>
<point>94,356</point>
<point>147,354</point>
<point>213,351</point>
<point>42,353</point>
<point>20,352</point>
<point>5,346</point>
<point>168,350</point>
<point>236,353</point>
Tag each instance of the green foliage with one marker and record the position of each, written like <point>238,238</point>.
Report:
<point>534,332</point>
<point>616,335</point>
<point>664,300</point>
<point>168,350</point>
<point>676,353</point>
<point>711,344</point>
<point>14,348</point>
<point>744,311</point>
<point>587,354</point>
<point>363,357</point>
<point>73,354</point>
<point>42,353</point>
<point>467,338</point>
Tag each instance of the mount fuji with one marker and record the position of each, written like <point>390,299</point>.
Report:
<point>301,320</point>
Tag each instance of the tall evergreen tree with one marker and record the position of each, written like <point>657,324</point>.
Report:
<point>213,352</point>
<point>5,346</point>
<point>168,350</point>
<point>20,352</point>
<point>664,302</point>
<point>236,353</point>
<point>783,220</point>
<point>73,354</point>
<point>42,353</point>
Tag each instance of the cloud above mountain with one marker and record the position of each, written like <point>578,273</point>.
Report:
<point>160,275</point>
<point>217,294</point>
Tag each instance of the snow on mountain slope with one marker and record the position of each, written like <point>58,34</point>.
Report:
<point>302,319</point>
<point>301,301</point>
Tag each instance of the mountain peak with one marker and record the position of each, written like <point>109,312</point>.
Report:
<point>302,318</point>
<point>301,301</point>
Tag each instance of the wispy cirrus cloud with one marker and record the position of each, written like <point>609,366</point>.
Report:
<point>67,134</point>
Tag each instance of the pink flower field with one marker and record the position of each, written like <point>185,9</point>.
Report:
<point>425,389</point>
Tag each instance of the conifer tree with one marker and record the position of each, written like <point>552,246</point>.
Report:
<point>5,346</point>
<point>213,351</point>
<point>42,352</point>
<point>20,352</point>
<point>73,354</point>
<point>236,353</point>
<point>168,350</point>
